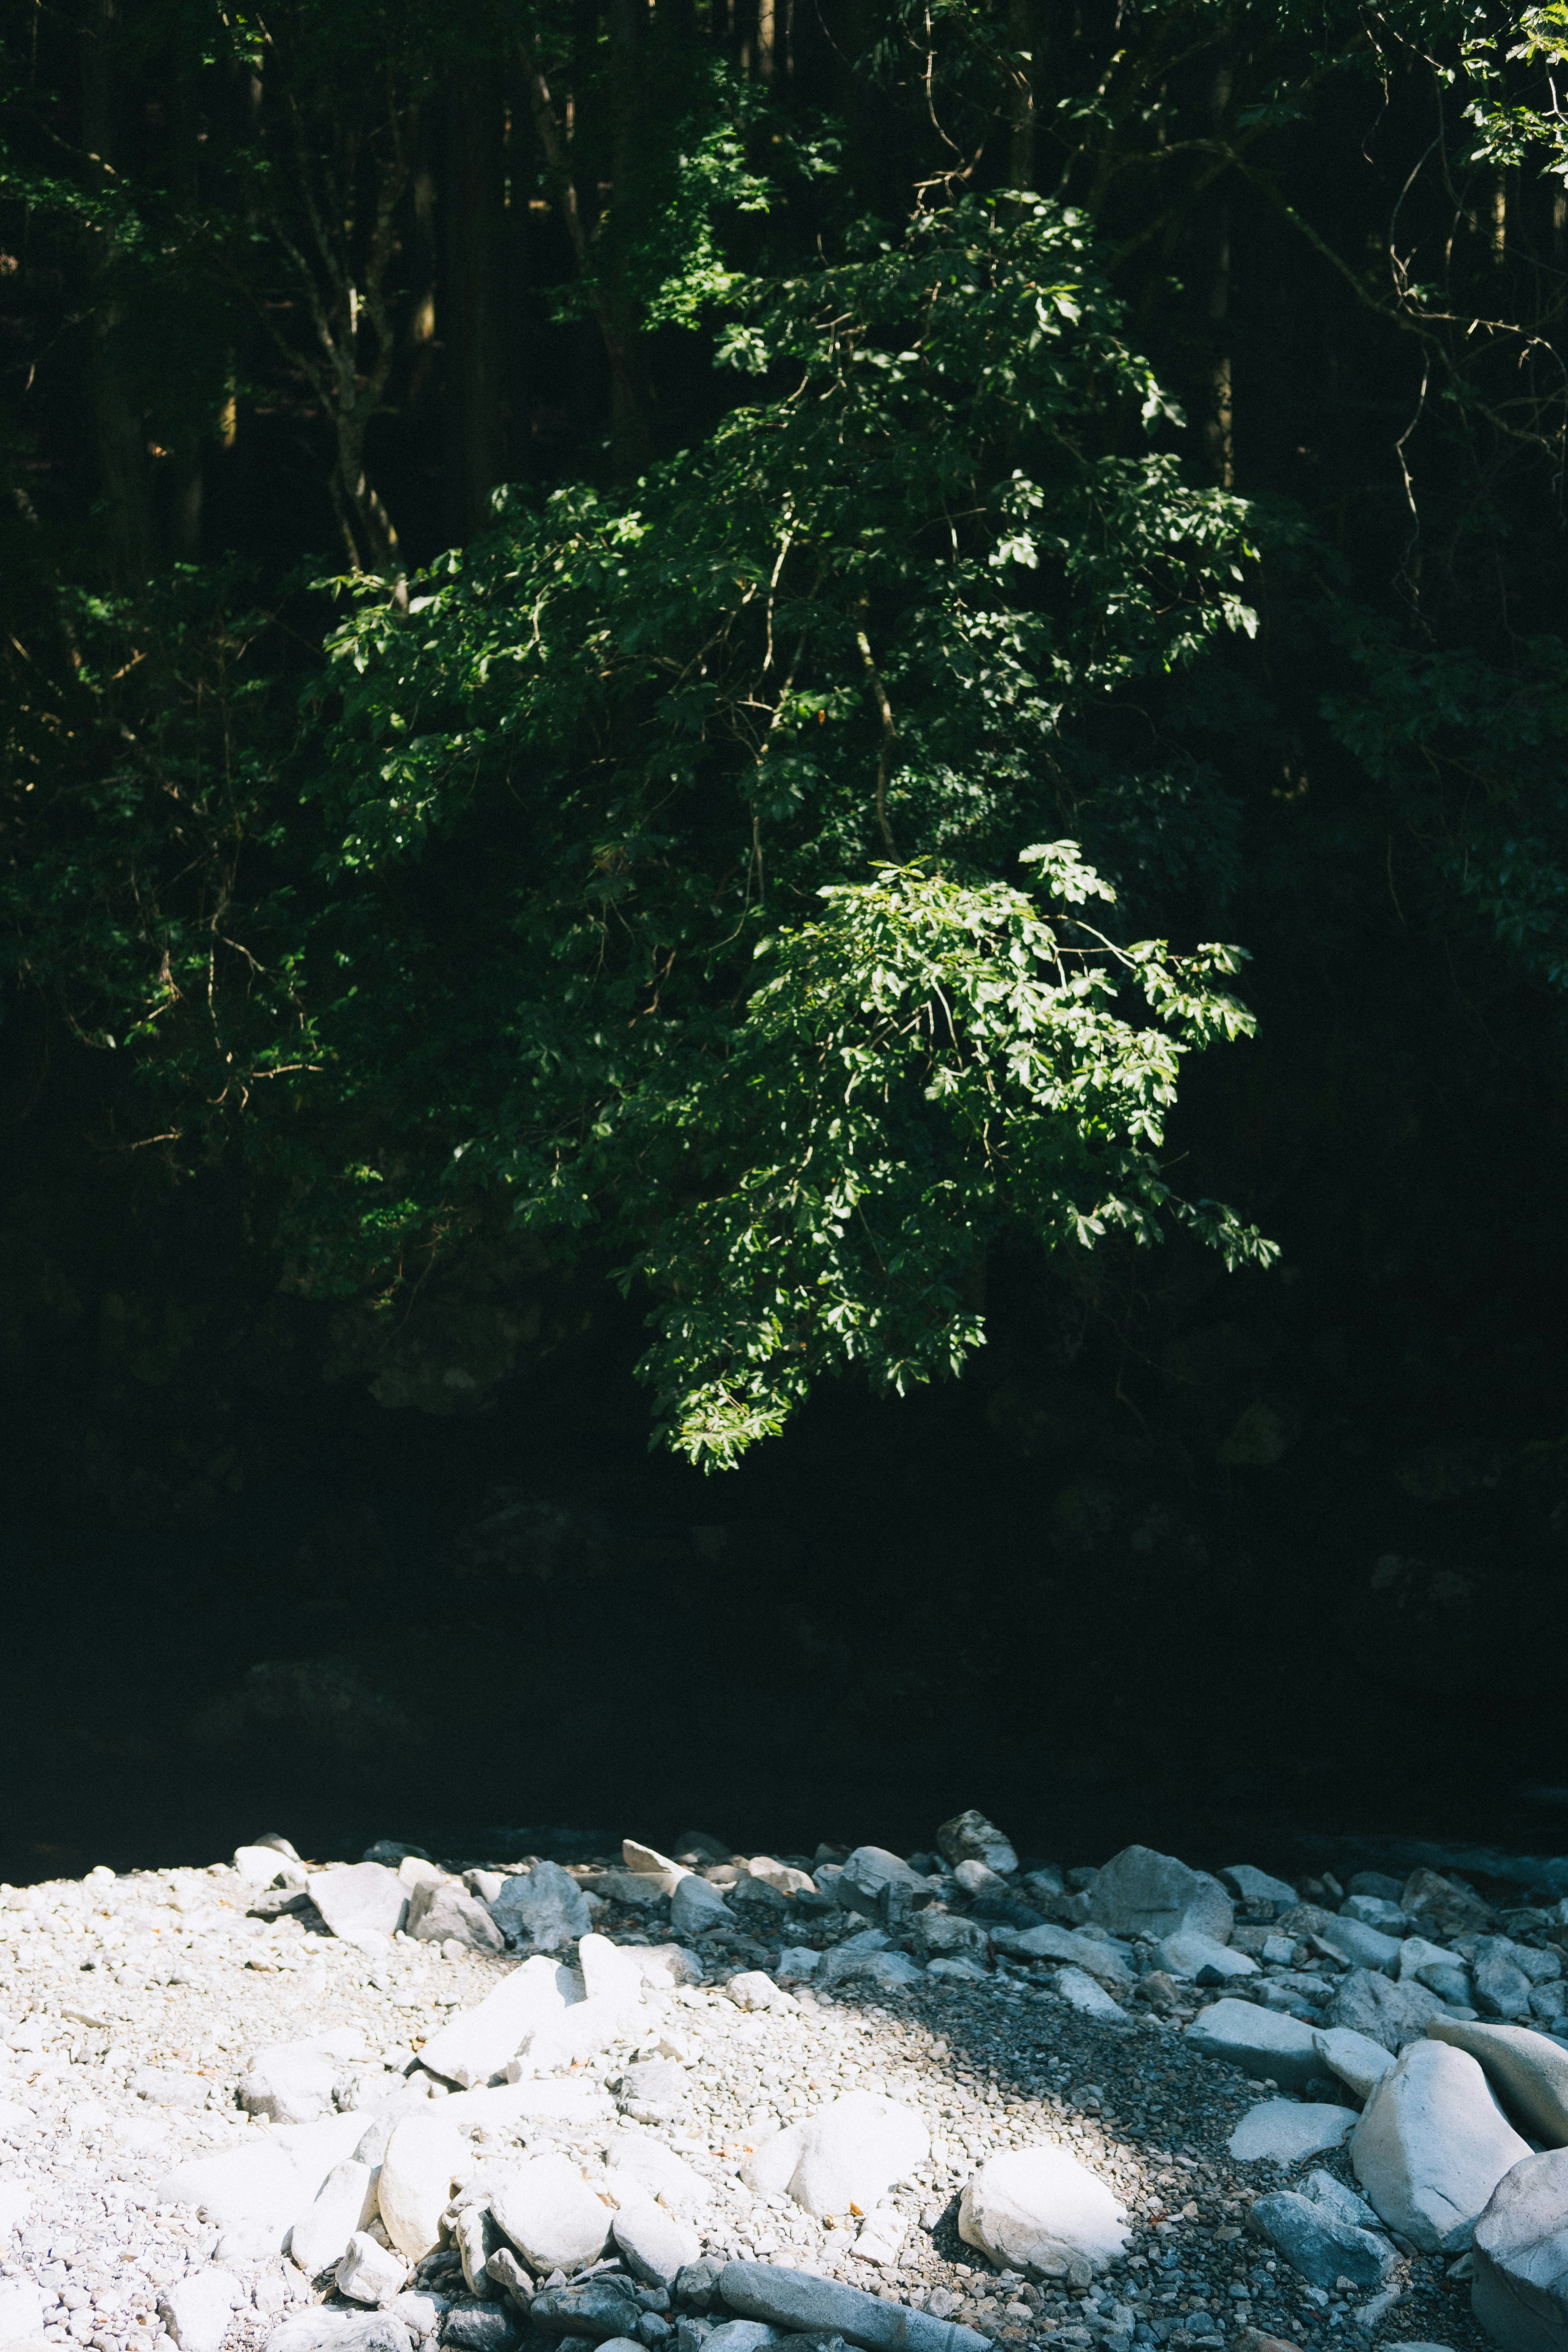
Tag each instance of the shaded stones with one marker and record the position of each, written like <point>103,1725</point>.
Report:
<point>696,1907</point>
<point>1360,2062</point>
<point>1394,2015</point>
<point>1282,2131</point>
<point>1432,2145</point>
<point>1518,2289</point>
<point>1318,2244</point>
<point>439,1913</point>
<point>1528,2071</point>
<point>970,1837</point>
<point>1260,2041</point>
<point>599,2307</point>
<point>1141,1892</point>
<point>542,1909</point>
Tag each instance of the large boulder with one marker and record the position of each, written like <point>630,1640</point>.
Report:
<point>346,2202</point>
<point>1141,1892</point>
<point>1262,2043</point>
<point>1394,2015</point>
<point>868,1875</point>
<point>1315,2242</point>
<point>803,2303</point>
<point>1282,2131</point>
<point>550,2215</point>
<point>1360,2062</point>
<point>198,2310</point>
<point>601,2307</point>
<point>543,1909</point>
<point>849,2154</point>
<point>1518,2289</point>
<point>652,2243</point>
<point>424,2156</point>
<point>1528,2071</point>
<point>695,1907</point>
<point>1432,2145</point>
<point>475,2044</point>
<point>1040,2208</point>
<point>442,1912</point>
<point>362,1897</point>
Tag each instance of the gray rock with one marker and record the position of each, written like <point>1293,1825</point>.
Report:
<point>1039,2208</point>
<point>1141,1892</point>
<point>360,1896</point>
<point>1360,2062</point>
<point>1362,1947</point>
<point>1529,2073</point>
<point>1447,1980</point>
<point>1394,2015</point>
<point>543,1909</point>
<point>1519,2286</point>
<point>598,2307</point>
<point>1260,2041</point>
<point>477,2325</point>
<point>1318,2245</point>
<point>1502,1989</point>
<point>977,1878</point>
<point>759,1896</point>
<point>1049,1943</point>
<point>939,1933</point>
<point>1089,1998</point>
<point>1443,1909</point>
<point>970,1837</point>
<point>1191,1959</point>
<point>743,2335</point>
<point>799,2301</point>
<point>697,2285</point>
<point>1376,1911</point>
<point>1342,2202</point>
<point>1432,2145</point>
<point>888,1971</point>
<point>696,1907</point>
<point>1255,1887</point>
<point>504,2271</point>
<point>439,1913</point>
<point>1282,2131</point>
<point>870,1870</point>
<point>1375,1882</point>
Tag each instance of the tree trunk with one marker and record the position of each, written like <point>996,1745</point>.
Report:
<point>473,327</point>
<point>118,429</point>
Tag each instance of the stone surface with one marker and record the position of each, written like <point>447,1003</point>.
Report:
<point>360,1896</point>
<point>439,1912</point>
<point>477,2045</point>
<point>341,2331</point>
<point>1256,1887</point>
<point>849,2154</point>
<point>345,2202</point>
<point>1087,1995</point>
<point>577,2033</point>
<point>1360,2062</point>
<point>1432,2145</point>
<point>550,2215</point>
<point>424,2156</point>
<point>970,1837</point>
<point>543,1909</point>
<point>1519,2286</point>
<point>290,2083</point>
<point>1283,2131</point>
<point>638,2155</point>
<point>1049,1943</point>
<point>608,1971</point>
<point>1318,2244</point>
<point>798,2300</point>
<point>1528,2071</point>
<point>1501,1987</point>
<point>21,2311</point>
<point>884,1972</point>
<point>745,2335</point>
<point>600,2308</point>
<point>1195,1958</point>
<point>1394,2015</point>
<point>475,2323</point>
<point>1260,2041</point>
<point>1141,1892</point>
<point>1336,2198</point>
<point>369,2272</point>
<point>1376,1911</point>
<point>696,1907</point>
<point>868,1870</point>
<point>198,2310</point>
<point>1444,1909</point>
<point>937,1933</point>
<point>1039,2207</point>
<point>652,2242</point>
<point>1362,1947</point>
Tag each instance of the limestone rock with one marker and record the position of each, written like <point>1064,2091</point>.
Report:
<point>609,1970</point>
<point>970,1837</point>
<point>579,2033</point>
<point>1362,1947</point>
<point>1432,2145</point>
<point>1360,2062</point>
<point>477,2044</point>
<point>290,2083</point>
<point>849,2154</point>
<point>21,2311</point>
<point>198,2310</point>
<point>1255,1887</point>
<point>1040,2207</point>
<point>1260,2041</point>
<point>543,1909</point>
<point>696,1907</point>
<point>1394,2015</point>
<point>1528,2071</point>
<point>1518,2289</point>
<point>1318,2244</point>
<point>1282,2131</point>
<point>345,2203</point>
<point>871,1869</point>
<point>1141,1892</point>
<point>422,2158</point>
<point>361,1896</point>
<point>550,2215</point>
<point>799,2301</point>
<point>369,2272</point>
<point>1083,1992</point>
<point>324,2330</point>
<point>939,1933</point>
<point>652,2242</point>
<point>1049,1943</point>
<point>602,2307</point>
<point>1193,1957</point>
<point>1443,1909</point>
<point>441,1912</point>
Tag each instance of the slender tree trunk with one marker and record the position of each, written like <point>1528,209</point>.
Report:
<point>473,326</point>
<point>1219,426</point>
<point>1023,31</point>
<point>118,428</point>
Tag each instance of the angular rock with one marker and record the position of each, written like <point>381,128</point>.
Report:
<point>1528,2071</point>
<point>1502,1989</point>
<point>1360,2062</point>
<point>1376,1911</point>
<point>637,2156</point>
<point>1519,2286</point>
<point>1255,1887</point>
<point>552,2216</point>
<point>477,2324</point>
<point>1431,2146</point>
<point>1362,1947</point>
<point>848,2154</point>
<point>421,2312</point>
<point>1394,2015</point>
<point>1040,2208</point>
<point>652,2242</point>
<point>21,2311</point>
<point>753,1988</point>
<point>578,2033</point>
<point>649,1863</point>
<point>1141,1892</point>
<point>543,1909</point>
<point>441,1912</point>
<point>290,2083</point>
<point>1082,1992</point>
<point>1260,2041</point>
<point>1318,2245</point>
<point>198,2310</point>
<point>324,2330</point>
<point>1193,1958</point>
<point>654,2089</point>
<point>269,2184</point>
<point>346,2202</point>
<point>888,1971</point>
<point>970,1837</point>
<point>979,1878</point>
<point>1282,2131</point>
<point>471,2048</point>
<point>424,2156</point>
<point>866,1875</point>
<point>942,1933</point>
<point>599,2307</point>
<point>1322,2189</point>
<point>800,2301</point>
<point>162,2086</point>
<point>1420,1952</point>
<point>610,1970</point>
<point>1443,1909</point>
<point>666,1966</point>
<point>370,2272</point>
<point>696,1907</point>
<point>360,1896</point>
<point>1050,1943</point>
<point>745,2335</point>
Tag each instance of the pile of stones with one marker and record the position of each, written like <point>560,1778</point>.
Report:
<point>706,2102</point>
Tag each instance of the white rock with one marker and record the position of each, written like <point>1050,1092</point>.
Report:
<point>1141,1892</point>
<point>370,2272</point>
<point>15,2205</point>
<point>1360,2062</point>
<point>1519,2282</point>
<point>1528,2071</point>
<point>475,2044</point>
<point>608,1970</point>
<point>969,1971</point>
<point>695,1907</point>
<point>882,2234</point>
<point>883,1971</point>
<point>665,1966</point>
<point>290,2084</point>
<point>345,2202</point>
<point>655,2245</point>
<point>258,1865</point>
<point>1187,1956</point>
<point>269,2183</point>
<point>421,2312</point>
<point>21,2311</point>
<point>638,2158</point>
<point>1432,2145</point>
<point>647,1860</point>
<point>753,1988</point>
<point>1417,1952</point>
<point>442,1912</point>
<point>323,2330</point>
<point>1040,2206</point>
<point>511,2104</point>
<point>1260,2041</point>
<point>849,2154</point>
<point>781,1876</point>
<point>361,1896</point>
<point>424,2156</point>
<point>550,2215</point>
<point>1282,2131</point>
<point>198,2310</point>
<point>1090,1999</point>
<point>575,2034</point>
<point>1249,1885</point>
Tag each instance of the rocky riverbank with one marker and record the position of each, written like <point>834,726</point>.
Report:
<point>916,2104</point>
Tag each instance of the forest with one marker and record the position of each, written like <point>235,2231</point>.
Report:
<point>784,868</point>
